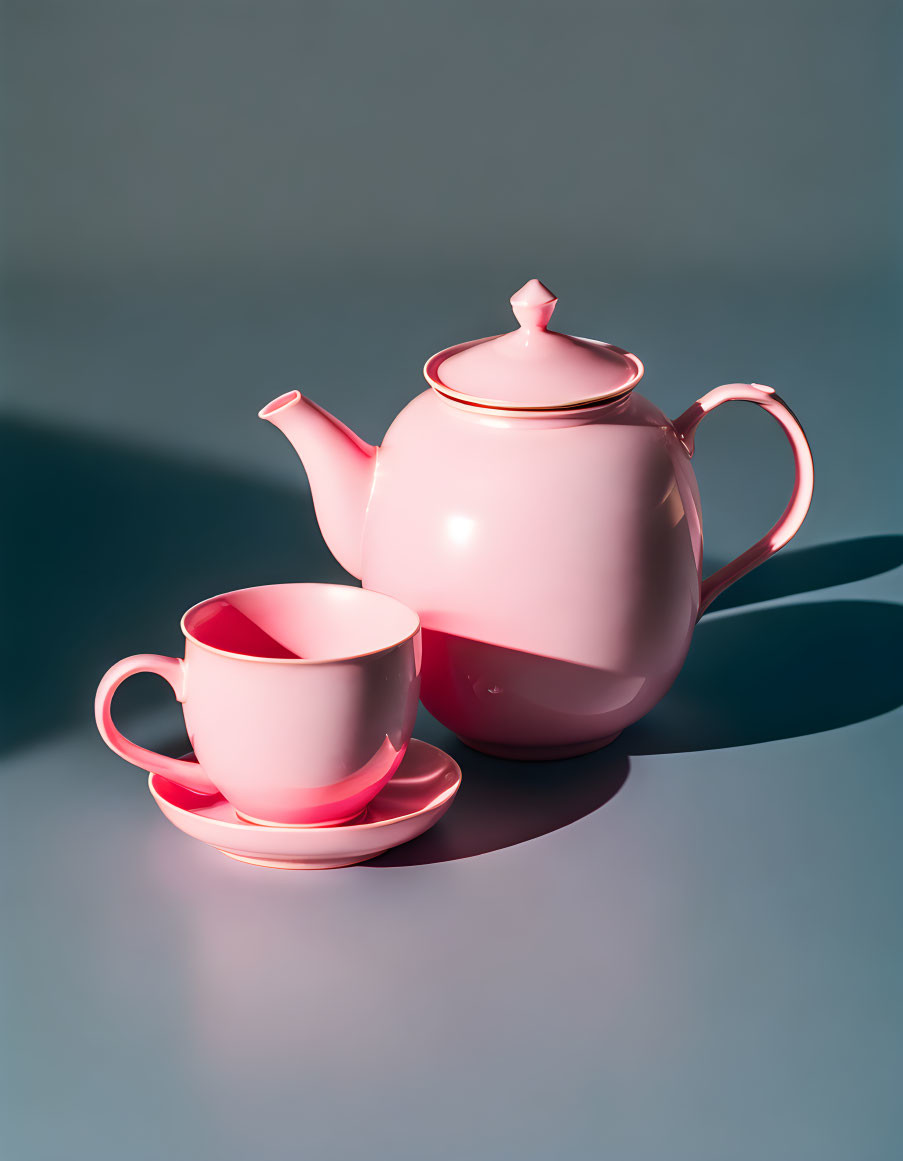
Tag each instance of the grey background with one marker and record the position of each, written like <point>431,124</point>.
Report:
<point>687,945</point>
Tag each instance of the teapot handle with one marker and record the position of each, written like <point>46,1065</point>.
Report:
<point>795,512</point>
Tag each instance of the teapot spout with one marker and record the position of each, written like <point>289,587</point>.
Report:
<point>340,467</point>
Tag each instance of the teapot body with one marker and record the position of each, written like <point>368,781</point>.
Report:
<point>543,519</point>
<point>554,558</point>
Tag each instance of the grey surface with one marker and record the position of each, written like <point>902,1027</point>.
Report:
<point>687,946</point>
<point>706,966</point>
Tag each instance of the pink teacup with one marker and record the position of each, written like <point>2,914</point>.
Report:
<point>299,700</point>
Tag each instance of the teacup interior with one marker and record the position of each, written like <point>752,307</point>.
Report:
<point>311,622</point>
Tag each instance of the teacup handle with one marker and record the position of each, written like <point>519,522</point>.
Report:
<point>172,669</point>
<point>795,512</point>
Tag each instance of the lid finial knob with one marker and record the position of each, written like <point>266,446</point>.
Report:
<point>533,305</point>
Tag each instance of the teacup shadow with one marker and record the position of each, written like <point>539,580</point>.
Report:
<point>501,803</point>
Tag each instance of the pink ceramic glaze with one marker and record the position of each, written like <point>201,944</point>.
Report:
<point>544,520</point>
<point>299,700</point>
<point>533,367</point>
<point>415,799</point>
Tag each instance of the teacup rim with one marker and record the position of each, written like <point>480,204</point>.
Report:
<point>383,650</point>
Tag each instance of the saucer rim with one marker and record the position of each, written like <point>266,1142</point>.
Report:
<point>243,827</point>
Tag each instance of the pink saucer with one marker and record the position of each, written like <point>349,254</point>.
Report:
<point>419,793</point>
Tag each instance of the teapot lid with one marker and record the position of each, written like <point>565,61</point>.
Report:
<point>532,368</point>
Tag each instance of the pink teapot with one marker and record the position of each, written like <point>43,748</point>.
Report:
<point>544,520</point>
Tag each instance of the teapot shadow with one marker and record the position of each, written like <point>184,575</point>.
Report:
<point>804,570</point>
<point>751,677</point>
<point>779,672</point>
